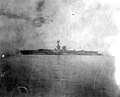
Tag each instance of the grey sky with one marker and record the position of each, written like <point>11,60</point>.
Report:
<point>78,24</point>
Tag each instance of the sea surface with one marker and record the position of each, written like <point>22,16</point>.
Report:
<point>69,75</point>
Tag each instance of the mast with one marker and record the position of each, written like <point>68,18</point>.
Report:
<point>58,45</point>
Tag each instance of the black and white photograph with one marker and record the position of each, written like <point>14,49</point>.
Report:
<point>59,48</point>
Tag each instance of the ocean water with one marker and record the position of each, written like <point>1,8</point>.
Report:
<point>67,75</point>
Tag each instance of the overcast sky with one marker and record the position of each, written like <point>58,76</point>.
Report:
<point>78,24</point>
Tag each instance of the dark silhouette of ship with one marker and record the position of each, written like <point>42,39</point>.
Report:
<point>58,51</point>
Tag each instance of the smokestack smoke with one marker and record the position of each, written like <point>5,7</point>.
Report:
<point>8,14</point>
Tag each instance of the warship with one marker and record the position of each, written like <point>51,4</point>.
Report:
<point>58,51</point>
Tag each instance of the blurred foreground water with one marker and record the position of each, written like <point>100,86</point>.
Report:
<point>62,75</point>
